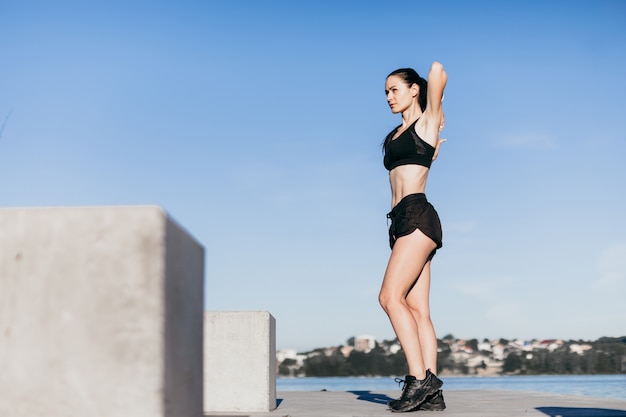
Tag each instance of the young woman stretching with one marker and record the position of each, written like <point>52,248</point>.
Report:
<point>415,231</point>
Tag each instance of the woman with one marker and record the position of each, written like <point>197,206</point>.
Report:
<point>415,230</point>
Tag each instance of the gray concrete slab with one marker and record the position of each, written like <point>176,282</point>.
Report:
<point>239,351</point>
<point>466,403</point>
<point>101,313</point>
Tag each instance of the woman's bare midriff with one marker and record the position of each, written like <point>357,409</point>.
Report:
<point>405,180</point>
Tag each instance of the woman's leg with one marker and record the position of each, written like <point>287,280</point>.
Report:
<point>408,258</point>
<point>420,308</point>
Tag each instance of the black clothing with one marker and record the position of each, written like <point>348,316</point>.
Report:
<point>408,148</point>
<point>411,213</point>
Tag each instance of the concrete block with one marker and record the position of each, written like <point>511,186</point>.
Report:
<point>239,361</point>
<point>101,313</point>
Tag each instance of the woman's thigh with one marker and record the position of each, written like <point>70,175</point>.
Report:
<point>408,258</point>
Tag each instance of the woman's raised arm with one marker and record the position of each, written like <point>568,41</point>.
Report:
<point>437,79</point>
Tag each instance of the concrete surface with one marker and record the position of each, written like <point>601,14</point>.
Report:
<point>239,361</point>
<point>466,403</point>
<point>101,313</point>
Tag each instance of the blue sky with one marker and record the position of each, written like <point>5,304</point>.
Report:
<point>257,126</point>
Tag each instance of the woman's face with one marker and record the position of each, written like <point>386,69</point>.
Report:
<point>400,96</point>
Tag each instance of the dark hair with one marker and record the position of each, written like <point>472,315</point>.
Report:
<point>410,76</point>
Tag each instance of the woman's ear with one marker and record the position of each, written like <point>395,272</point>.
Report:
<point>415,90</point>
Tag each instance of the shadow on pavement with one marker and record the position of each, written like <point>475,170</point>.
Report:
<point>580,412</point>
<point>372,397</point>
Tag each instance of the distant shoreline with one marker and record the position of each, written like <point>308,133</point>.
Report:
<point>446,375</point>
<point>605,386</point>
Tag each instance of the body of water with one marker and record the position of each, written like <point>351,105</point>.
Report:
<point>604,386</point>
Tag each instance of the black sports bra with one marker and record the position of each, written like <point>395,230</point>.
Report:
<point>406,149</point>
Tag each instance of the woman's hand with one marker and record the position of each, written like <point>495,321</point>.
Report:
<point>439,142</point>
<point>442,124</point>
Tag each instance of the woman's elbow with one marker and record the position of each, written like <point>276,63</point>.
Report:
<point>437,66</point>
<point>437,71</point>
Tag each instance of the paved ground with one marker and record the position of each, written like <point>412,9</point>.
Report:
<point>466,403</point>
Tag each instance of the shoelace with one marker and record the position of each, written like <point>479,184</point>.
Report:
<point>404,386</point>
<point>399,381</point>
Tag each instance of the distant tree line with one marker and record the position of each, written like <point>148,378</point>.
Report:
<point>375,362</point>
<point>607,356</point>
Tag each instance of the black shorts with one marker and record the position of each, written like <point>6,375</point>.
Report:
<point>411,213</point>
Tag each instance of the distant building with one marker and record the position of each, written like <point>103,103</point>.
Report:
<point>394,348</point>
<point>484,347</point>
<point>580,349</point>
<point>292,354</point>
<point>283,354</point>
<point>550,344</point>
<point>364,343</point>
<point>346,350</point>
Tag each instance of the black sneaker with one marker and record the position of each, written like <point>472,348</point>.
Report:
<point>415,392</point>
<point>409,379</point>
<point>433,403</point>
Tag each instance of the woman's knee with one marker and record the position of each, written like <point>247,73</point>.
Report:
<point>388,301</point>
<point>383,300</point>
<point>420,312</point>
